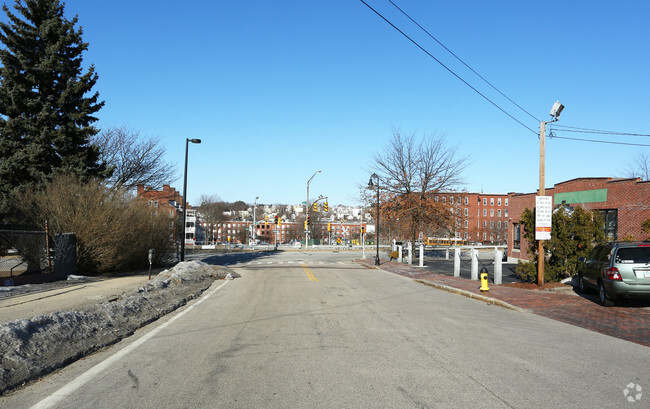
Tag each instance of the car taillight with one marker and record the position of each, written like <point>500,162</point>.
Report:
<point>613,274</point>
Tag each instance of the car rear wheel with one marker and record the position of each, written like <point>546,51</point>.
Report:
<point>602,294</point>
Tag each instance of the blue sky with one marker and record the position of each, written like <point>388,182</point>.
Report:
<point>278,90</point>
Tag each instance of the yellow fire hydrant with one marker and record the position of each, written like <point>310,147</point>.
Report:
<point>484,280</point>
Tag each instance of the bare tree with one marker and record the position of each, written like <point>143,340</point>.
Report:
<point>410,171</point>
<point>134,160</point>
<point>640,167</point>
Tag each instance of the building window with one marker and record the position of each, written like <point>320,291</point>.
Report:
<point>499,202</point>
<point>435,199</point>
<point>484,236</point>
<point>499,212</point>
<point>492,224</point>
<point>491,212</point>
<point>451,200</point>
<point>444,199</point>
<point>499,224</point>
<point>466,200</point>
<point>466,223</point>
<point>466,212</point>
<point>484,212</point>
<point>485,201</point>
<point>516,235</point>
<point>491,201</point>
<point>506,201</point>
<point>484,223</point>
<point>505,212</point>
<point>610,218</point>
<point>466,235</point>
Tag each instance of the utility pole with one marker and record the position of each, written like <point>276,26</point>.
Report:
<point>556,110</point>
<point>542,192</point>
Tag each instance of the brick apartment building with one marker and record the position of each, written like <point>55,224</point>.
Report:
<point>167,199</point>
<point>269,232</point>
<point>624,204</point>
<point>479,217</point>
<point>170,201</point>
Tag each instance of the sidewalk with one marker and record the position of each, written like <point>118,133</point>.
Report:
<point>630,322</point>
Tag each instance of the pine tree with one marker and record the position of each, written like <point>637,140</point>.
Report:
<point>46,104</point>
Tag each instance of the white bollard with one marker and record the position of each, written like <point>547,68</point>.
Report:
<point>498,268</point>
<point>456,262</point>
<point>447,253</point>
<point>474,272</point>
<point>399,257</point>
<point>409,247</point>
<point>421,255</point>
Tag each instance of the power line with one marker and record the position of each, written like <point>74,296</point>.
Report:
<point>552,135</point>
<point>447,68</point>
<point>596,131</point>
<point>463,62</point>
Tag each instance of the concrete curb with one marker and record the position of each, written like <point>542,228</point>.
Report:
<point>470,294</point>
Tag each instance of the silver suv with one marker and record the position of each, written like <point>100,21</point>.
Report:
<point>617,270</point>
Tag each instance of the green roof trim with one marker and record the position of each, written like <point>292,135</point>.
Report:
<point>584,196</point>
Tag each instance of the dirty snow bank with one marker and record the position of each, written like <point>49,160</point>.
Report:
<point>34,347</point>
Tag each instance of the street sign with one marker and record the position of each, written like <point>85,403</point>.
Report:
<point>543,217</point>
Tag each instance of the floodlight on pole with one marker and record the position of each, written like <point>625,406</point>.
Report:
<point>187,141</point>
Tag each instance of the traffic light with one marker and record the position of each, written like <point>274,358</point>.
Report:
<point>276,219</point>
<point>279,221</point>
<point>266,218</point>
<point>308,221</point>
<point>363,229</point>
<point>305,224</point>
<point>316,206</point>
<point>329,226</point>
<point>325,207</point>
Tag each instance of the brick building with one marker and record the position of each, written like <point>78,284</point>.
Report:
<point>478,217</point>
<point>167,199</point>
<point>269,232</point>
<point>624,204</point>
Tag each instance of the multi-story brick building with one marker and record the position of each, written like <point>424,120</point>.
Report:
<point>167,199</point>
<point>478,217</point>
<point>624,204</point>
<point>269,232</point>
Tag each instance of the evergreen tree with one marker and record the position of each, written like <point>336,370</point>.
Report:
<point>46,105</point>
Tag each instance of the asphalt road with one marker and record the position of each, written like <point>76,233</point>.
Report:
<point>317,330</point>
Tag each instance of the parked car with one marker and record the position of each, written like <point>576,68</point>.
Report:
<point>617,270</point>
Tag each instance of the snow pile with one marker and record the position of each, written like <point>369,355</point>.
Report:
<point>34,347</point>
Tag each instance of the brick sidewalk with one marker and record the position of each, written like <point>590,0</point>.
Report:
<point>631,323</point>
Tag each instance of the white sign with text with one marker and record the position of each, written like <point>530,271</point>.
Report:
<point>543,217</point>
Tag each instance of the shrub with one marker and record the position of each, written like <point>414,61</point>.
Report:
<point>114,230</point>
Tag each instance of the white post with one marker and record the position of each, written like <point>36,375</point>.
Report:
<point>421,255</point>
<point>409,247</point>
<point>456,262</point>
<point>498,257</point>
<point>399,258</point>
<point>474,255</point>
<point>447,253</point>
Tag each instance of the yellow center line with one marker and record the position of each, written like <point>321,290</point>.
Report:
<point>310,275</point>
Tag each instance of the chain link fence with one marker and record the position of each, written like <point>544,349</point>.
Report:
<point>23,253</point>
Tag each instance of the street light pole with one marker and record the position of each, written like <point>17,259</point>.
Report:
<point>254,228</point>
<point>370,185</point>
<point>187,141</point>
<point>307,208</point>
